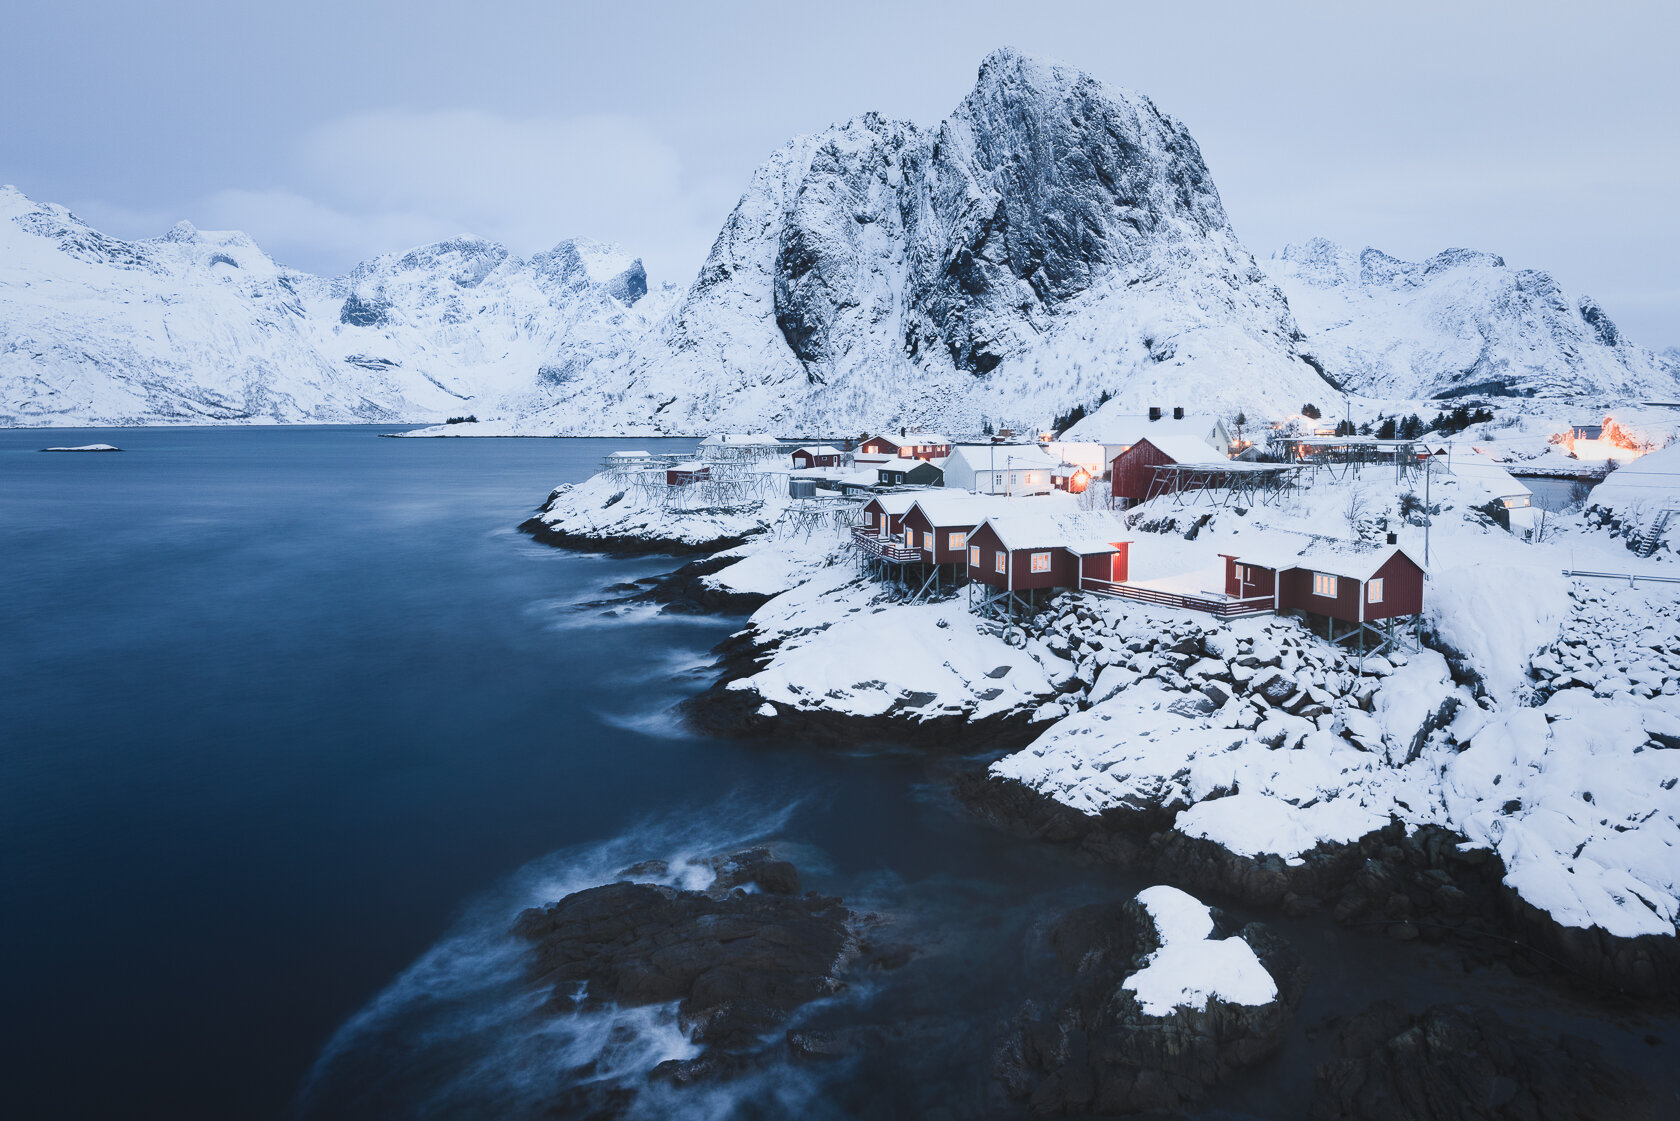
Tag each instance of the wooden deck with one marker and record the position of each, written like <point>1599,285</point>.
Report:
<point>1223,607</point>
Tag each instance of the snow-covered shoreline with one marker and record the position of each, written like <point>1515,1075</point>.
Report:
<point>1431,794</point>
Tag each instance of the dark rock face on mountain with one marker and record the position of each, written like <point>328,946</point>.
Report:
<point>738,962</point>
<point>1463,1064</point>
<point>1050,241</point>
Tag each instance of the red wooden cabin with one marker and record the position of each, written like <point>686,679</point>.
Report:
<point>906,445</point>
<point>941,523</point>
<point>823,456</point>
<point>883,515</point>
<point>684,473</point>
<point>1132,472</point>
<point>1027,552</point>
<point>1368,587</point>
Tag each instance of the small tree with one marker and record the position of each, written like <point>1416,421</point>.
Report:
<point>1387,429</point>
<point>1310,411</point>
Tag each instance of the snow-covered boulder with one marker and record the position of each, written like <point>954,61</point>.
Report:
<point>1168,999</point>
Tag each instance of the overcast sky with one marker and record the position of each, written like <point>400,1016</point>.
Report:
<point>1546,132</point>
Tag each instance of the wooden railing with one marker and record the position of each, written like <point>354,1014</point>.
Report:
<point>1224,608</point>
<point>887,548</point>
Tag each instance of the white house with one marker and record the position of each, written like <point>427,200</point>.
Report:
<point>1010,469</point>
<point>1121,432</point>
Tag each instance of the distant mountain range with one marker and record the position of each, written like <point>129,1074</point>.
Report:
<point>1460,324</point>
<point>1054,244</point>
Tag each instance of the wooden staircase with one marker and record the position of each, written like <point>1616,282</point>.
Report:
<point>1646,543</point>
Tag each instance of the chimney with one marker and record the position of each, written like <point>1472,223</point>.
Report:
<point>1154,412</point>
<point>1394,539</point>
<point>1178,412</point>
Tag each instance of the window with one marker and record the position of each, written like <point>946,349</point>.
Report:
<point>1002,560</point>
<point>871,518</point>
<point>1373,592</point>
<point>1515,503</point>
<point>1041,562</point>
<point>927,540</point>
<point>974,556</point>
<point>1324,585</point>
<point>909,538</point>
<point>956,541</point>
<point>1014,478</point>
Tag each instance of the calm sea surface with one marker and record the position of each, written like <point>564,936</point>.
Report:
<point>292,722</point>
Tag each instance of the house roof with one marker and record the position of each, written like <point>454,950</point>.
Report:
<point>821,449</point>
<point>959,508</point>
<point>1130,429</point>
<point>630,455</point>
<point>1029,457</point>
<point>690,465</point>
<point>1048,531</point>
<point>1482,472</point>
<point>1184,449</point>
<point>893,503</point>
<point>1282,553</point>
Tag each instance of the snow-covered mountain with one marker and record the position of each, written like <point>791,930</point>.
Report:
<point>1458,324</point>
<point>198,327</point>
<point>1051,241</point>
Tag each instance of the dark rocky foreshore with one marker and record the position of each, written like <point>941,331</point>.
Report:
<point>1099,1051</point>
<point>1412,885</point>
<point>738,962</point>
<point>1467,1064</point>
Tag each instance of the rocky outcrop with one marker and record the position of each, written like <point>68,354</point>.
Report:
<point>1106,1049</point>
<point>737,962</point>
<point>1465,1064</point>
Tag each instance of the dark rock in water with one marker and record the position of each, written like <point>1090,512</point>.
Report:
<point>1466,1064</point>
<point>1099,1052</point>
<point>737,961</point>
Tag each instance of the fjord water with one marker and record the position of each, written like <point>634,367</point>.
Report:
<point>295,721</point>
<point>283,705</point>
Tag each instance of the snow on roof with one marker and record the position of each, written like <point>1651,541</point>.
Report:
<point>822,449</point>
<point>630,455</point>
<point>1129,430</point>
<point>894,503</point>
<point>922,436</point>
<point>1009,456</point>
<point>1048,531</point>
<point>1280,552</point>
<point>739,439</point>
<point>959,507</point>
<point>1480,471</point>
<point>690,465</point>
<point>1651,481</point>
<point>1185,449</point>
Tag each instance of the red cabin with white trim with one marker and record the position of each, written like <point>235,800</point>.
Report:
<point>1026,552</point>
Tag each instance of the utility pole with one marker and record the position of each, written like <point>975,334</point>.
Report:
<point>1428,518</point>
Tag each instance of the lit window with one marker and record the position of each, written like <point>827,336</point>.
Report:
<point>927,540</point>
<point>910,538</point>
<point>1373,591</point>
<point>974,556</point>
<point>1001,561</point>
<point>1041,562</point>
<point>957,541</point>
<point>1324,585</point>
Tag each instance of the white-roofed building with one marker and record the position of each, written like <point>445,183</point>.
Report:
<point>1007,469</point>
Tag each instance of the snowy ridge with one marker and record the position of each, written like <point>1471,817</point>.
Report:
<point>1461,323</point>
<point>1052,240</point>
<point>199,326</point>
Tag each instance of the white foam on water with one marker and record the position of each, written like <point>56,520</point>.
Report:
<point>463,1033</point>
